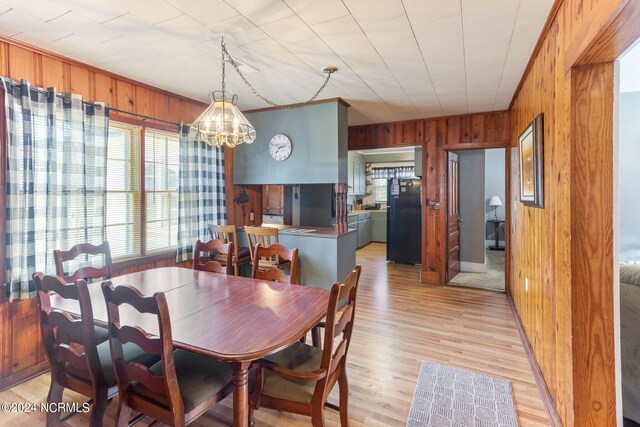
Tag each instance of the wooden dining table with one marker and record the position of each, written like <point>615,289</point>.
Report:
<point>229,318</point>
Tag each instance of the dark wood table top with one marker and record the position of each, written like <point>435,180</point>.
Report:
<point>226,317</point>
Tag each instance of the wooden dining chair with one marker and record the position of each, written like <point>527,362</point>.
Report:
<point>77,360</point>
<point>60,257</point>
<point>216,251</point>
<point>270,261</point>
<point>265,236</point>
<point>89,272</point>
<point>177,389</point>
<point>299,378</point>
<point>229,234</point>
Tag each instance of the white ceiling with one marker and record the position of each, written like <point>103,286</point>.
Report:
<point>398,59</point>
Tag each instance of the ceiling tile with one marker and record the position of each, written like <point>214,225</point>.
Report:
<point>136,29</point>
<point>288,30</point>
<point>207,12</point>
<point>89,31</point>
<point>187,29</point>
<point>40,10</point>
<point>261,12</point>
<point>152,11</point>
<point>97,11</point>
<point>315,12</point>
<point>367,12</point>
<point>16,23</point>
<point>239,30</point>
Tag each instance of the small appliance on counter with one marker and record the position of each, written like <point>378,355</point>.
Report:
<point>372,207</point>
<point>273,219</point>
<point>404,221</point>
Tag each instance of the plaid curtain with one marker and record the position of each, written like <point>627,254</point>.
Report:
<point>55,179</point>
<point>201,192</point>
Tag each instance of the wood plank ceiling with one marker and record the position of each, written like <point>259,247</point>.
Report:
<point>398,59</point>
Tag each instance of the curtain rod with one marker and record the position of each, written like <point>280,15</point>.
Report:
<point>46,92</point>
<point>143,116</point>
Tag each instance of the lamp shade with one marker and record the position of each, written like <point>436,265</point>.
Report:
<point>222,123</point>
<point>495,201</point>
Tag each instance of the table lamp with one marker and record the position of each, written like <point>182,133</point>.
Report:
<point>495,202</point>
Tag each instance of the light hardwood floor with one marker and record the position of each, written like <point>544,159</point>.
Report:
<point>399,323</point>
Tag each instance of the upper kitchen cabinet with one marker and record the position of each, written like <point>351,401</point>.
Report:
<point>356,174</point>
<point>317,134</point>
<point>417,160</point>
<point>276,200</point>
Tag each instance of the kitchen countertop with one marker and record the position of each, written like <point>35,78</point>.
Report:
<point>363,211</point>
<point>326,232</point>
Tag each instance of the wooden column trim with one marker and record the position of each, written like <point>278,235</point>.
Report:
<point>592,302</point>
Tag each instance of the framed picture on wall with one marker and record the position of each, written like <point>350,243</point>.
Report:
<point>530,145</point>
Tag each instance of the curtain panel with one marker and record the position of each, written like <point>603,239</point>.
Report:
<point>201,199</point>
<point>55,180</point>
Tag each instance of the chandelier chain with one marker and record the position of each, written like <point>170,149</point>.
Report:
<point>226,54</point>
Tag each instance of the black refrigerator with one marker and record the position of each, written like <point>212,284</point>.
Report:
<point>404,221</point>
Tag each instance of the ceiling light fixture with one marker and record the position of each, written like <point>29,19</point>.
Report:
<point>222,123</point>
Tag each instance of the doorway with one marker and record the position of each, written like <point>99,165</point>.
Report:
<point>628,233</point>
<point>476,186</point>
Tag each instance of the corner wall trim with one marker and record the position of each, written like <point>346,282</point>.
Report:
<point>547,399</point>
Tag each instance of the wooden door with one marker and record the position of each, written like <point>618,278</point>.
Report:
<point>273,200</point>
<point>453,216</point>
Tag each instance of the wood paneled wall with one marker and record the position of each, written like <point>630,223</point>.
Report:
<point>20,351</point>
<point>41,68</point>
<point>436,136</point>
<point>234,211</point>
<point>565,251</point>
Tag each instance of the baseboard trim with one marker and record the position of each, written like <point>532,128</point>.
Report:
<point>23,375</point>
<point>492,242</point>
<point>472,267</point>
<point>547,399</point>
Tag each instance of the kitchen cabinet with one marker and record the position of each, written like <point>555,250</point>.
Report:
<point>379,227</point>
<point>364,226</point>
<point>417,161</point>
<point>276,200</point>
<point>356,177</point>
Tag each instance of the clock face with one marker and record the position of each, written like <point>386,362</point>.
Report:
<point>280,147</point>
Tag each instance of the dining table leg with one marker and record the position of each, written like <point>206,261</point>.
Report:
<point>240,393</point>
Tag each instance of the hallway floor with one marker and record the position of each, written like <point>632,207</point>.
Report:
<point>492,279</point>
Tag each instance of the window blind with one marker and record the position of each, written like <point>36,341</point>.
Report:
<point>123,191</point>
<point>161,163</point>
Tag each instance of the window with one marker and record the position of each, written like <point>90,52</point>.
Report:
<point>123,191</point>
<point>142,217</point>
<point>161,163</point>
<point>380,190</point>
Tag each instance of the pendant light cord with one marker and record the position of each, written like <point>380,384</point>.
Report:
<point>225,54</point>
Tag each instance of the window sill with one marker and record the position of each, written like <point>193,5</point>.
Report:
<point>143,260</point>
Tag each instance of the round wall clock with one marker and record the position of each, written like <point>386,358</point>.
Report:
<point>280,147</point>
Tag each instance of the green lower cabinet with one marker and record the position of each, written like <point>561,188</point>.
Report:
<point>364,232</point>
<point>379,228</point>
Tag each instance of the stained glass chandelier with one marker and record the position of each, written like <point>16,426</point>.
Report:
<point>222,123</point>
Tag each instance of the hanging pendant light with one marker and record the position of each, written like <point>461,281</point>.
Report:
<point>222,123</point>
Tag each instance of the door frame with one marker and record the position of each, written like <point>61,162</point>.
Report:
<point>447,207</point>
<point>507,209</point>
